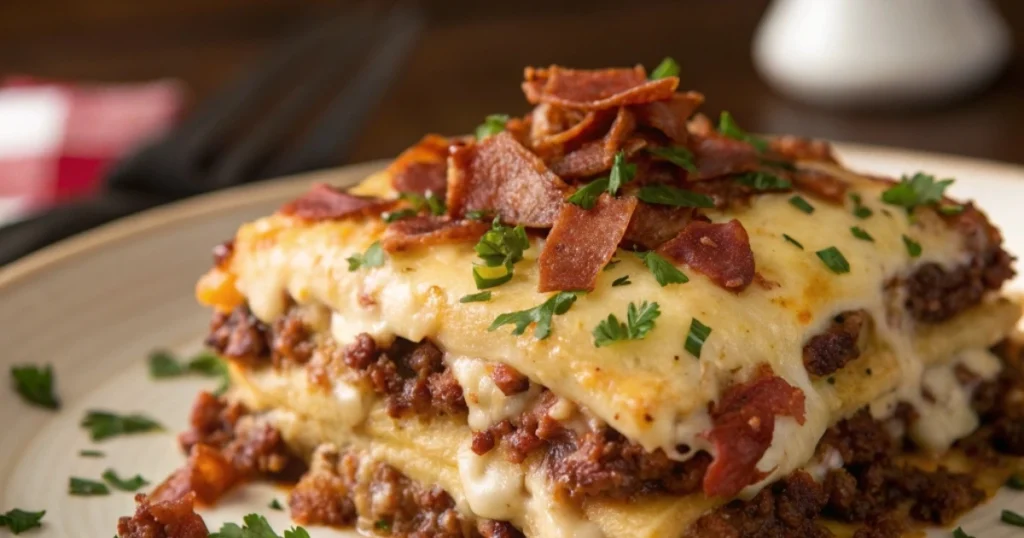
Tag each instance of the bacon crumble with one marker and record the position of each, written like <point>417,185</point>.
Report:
<point>721,251</point>
<point>425,231</point>
<point>422,168</point>
<point>324,202</point>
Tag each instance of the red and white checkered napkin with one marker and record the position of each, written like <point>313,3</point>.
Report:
<point>57,139</point>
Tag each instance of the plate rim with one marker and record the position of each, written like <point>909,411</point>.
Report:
<point>150,220</point>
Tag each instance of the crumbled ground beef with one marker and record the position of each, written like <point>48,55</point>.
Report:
<point>935,294</point>
<point>837,345</point>
<point>239,335</point>
<point>509,381</point>
<point>173,518</point>
<point>788,508</point>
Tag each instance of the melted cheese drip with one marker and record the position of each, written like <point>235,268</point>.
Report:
<point>651,390</point>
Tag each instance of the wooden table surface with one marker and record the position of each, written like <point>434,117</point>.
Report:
<point>469,60</point>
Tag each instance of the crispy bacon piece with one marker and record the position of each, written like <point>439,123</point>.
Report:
<point>423,167</point>
<point>721,251</point>
<point>795,148</point>
<point>596,89</point>
<point>324,202</point>
<point>502,176</point>
<point>820,185</point>
<point>653,225</point>
<point>670,116</point>
<point>744,422</point>
<point>582,242</point>
<point>555,130</point>
<point>716,156</point>
<point>175,518</point>
<point>428,230</point>
<point>598,156</point>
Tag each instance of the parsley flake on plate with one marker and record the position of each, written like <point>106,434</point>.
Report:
<point>800,203</point>
<point>276,505</point>
<point>667,68</point>
<point>621,281</point>
<point>1015,482</point>
<point>662,194</point>
<point>104,424</point>
<point>492,125</point>
<point>541,314</point>
<point>913,247</point>
<point>918,190</point>
<point>481,297</point>
<point>123,484</point>
<point>834,260</point>
<point>959,533</point>
<point>859,210</point>
<point>677,155</point>
<point>91,454</point>
<point>163,364</point>
<point>35,385</point>
<point>256,526</point>
<point>373,257</point>
<point>728,127</point>
<point>500,249</point>
<point>663,270</point>
<point>639,322</point>
<point>1012,518</point>
<point>763,181</point>
<point>789,239</point>
<point>696,337</point>
<point>18,521</point>
<point>861,233</point>
<point>86,488</point>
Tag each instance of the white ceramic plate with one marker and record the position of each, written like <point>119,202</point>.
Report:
<point>95,305</point>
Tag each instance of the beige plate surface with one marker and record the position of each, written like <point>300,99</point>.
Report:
<point>95,305</point>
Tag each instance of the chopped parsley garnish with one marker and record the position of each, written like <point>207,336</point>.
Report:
<point>276,505</point>
<point>492,125</point>
<point>1015,482</point>
<point>163,364</point>
<point>728,127</point>
<point>85,487</point>
<point>586,196</point>
<point>622,173</point>
<point>950,210</point>
<point>541,314</point>
<point>104,425</point>
<point>130,484</point>
<point>667,68</point>
<point>834,260</point>
<point>798,202</point>
<point>373,257</point>
<point>18,521</point>
<point>677,155</point>
<point>695,339</point>
<point>477,214</point>
<point>860,233</point>
<point>621,281</point>
<point>913,247</point>
<point>662,194</point>
<point>639,322</point>
<point>35,385</point>
<point>1012,518</point>
<point>664,272</point>
<point>959,533</point>
<point>859,210</point>
<point>395,216</point>
<point>788,238</point>
<point>481,297</point>
<point>500,248</point>
<point>611,265</point>
<point>256,526</point>
<point>918,190</point>
<point>91,454</point>
<point>763,181</point>
<point>431,202</point>
<point>382,525</point>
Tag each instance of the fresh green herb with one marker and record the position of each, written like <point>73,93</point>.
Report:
<point>276,505</point>
<point>541,314</point>
<point>794,241</point>
<point>163,364</point>
<point>859,210</point>
<point>728,127</point>
<point>763,181</point>
<point>621,281</point>
<point>664,272</point>
<point>1012,518</point>
<point>18,521</point>
<point>130,484</point>
<point>430,202</point>
<point>489,277</point>
<point>35,385</point>
<point>639,322</point>
<point>950,210</point>
<point>401,214</point>
<point>660,193</point>
<point>1015,482</point>
<point>959,533</point>
<point>373,257</point>
<point>481,297</point>
<point>667,68</point>
<point>677,155</point>
<point>860,233</point>
<point>798,202</point>
<point>91,454</point>
<point>85,487</point>
<point>622,173</point>
<point>918,190</point>
<point>611,265</point>
<point>477,214</point>
<point>500,249</point>
<point>695,339</point>
<point>834,260</point>
<point>382,525</point>
<point>913,247</point>
<point>256,526</point>
<point>104,425</point>
<point>492,125</point>
<point>586,196</point>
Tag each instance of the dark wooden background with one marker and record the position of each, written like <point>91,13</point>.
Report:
<point>469,61</point>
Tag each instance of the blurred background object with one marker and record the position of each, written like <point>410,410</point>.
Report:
<point>374,85</point>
